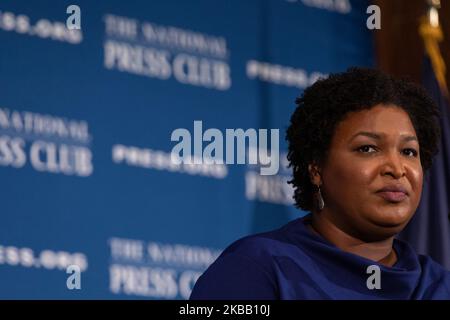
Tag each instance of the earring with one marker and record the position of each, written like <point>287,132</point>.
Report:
<point>321,203</point>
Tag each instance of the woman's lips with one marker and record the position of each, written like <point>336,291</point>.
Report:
<point>392,196</point>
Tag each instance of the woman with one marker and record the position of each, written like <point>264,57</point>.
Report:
<point>359,144</point>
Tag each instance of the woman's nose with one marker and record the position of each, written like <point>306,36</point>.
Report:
<point>393,165</point>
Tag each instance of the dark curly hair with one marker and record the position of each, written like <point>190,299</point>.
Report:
<point>324,104</point>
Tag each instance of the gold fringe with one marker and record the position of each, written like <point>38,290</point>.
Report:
<point>431,37</point>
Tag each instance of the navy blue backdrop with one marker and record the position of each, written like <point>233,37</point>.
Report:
<point>429,230</point>
<point>86,118</point>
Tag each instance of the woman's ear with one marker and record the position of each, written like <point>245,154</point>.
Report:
<point>314,174</point>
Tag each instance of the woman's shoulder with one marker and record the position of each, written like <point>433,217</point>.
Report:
<point>263,245</point>
<point>433,280</point>
<point>427,263</point>
<point>242,271</point>
<point>433,269</point>
<point>245,269</point>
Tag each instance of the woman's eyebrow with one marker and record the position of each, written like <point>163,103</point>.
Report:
<point>378,136</point>
<point>407,138</point>
<point>372,135</point>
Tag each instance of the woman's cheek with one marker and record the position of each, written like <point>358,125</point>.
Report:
<point>345,178</point>
<point>416,181</point>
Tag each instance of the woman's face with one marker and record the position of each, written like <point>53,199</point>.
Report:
<point>371,150</point>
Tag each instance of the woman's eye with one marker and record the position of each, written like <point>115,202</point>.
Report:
<point>410,152</point>
<point>367,149</point>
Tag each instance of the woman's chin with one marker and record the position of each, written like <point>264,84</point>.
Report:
<point>392,220</point>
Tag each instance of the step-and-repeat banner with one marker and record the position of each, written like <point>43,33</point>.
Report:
<point>87,119</point>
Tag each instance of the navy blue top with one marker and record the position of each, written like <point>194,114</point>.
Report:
<point>294,263</point>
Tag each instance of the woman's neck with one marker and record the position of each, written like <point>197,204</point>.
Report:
<point>380,251</point>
